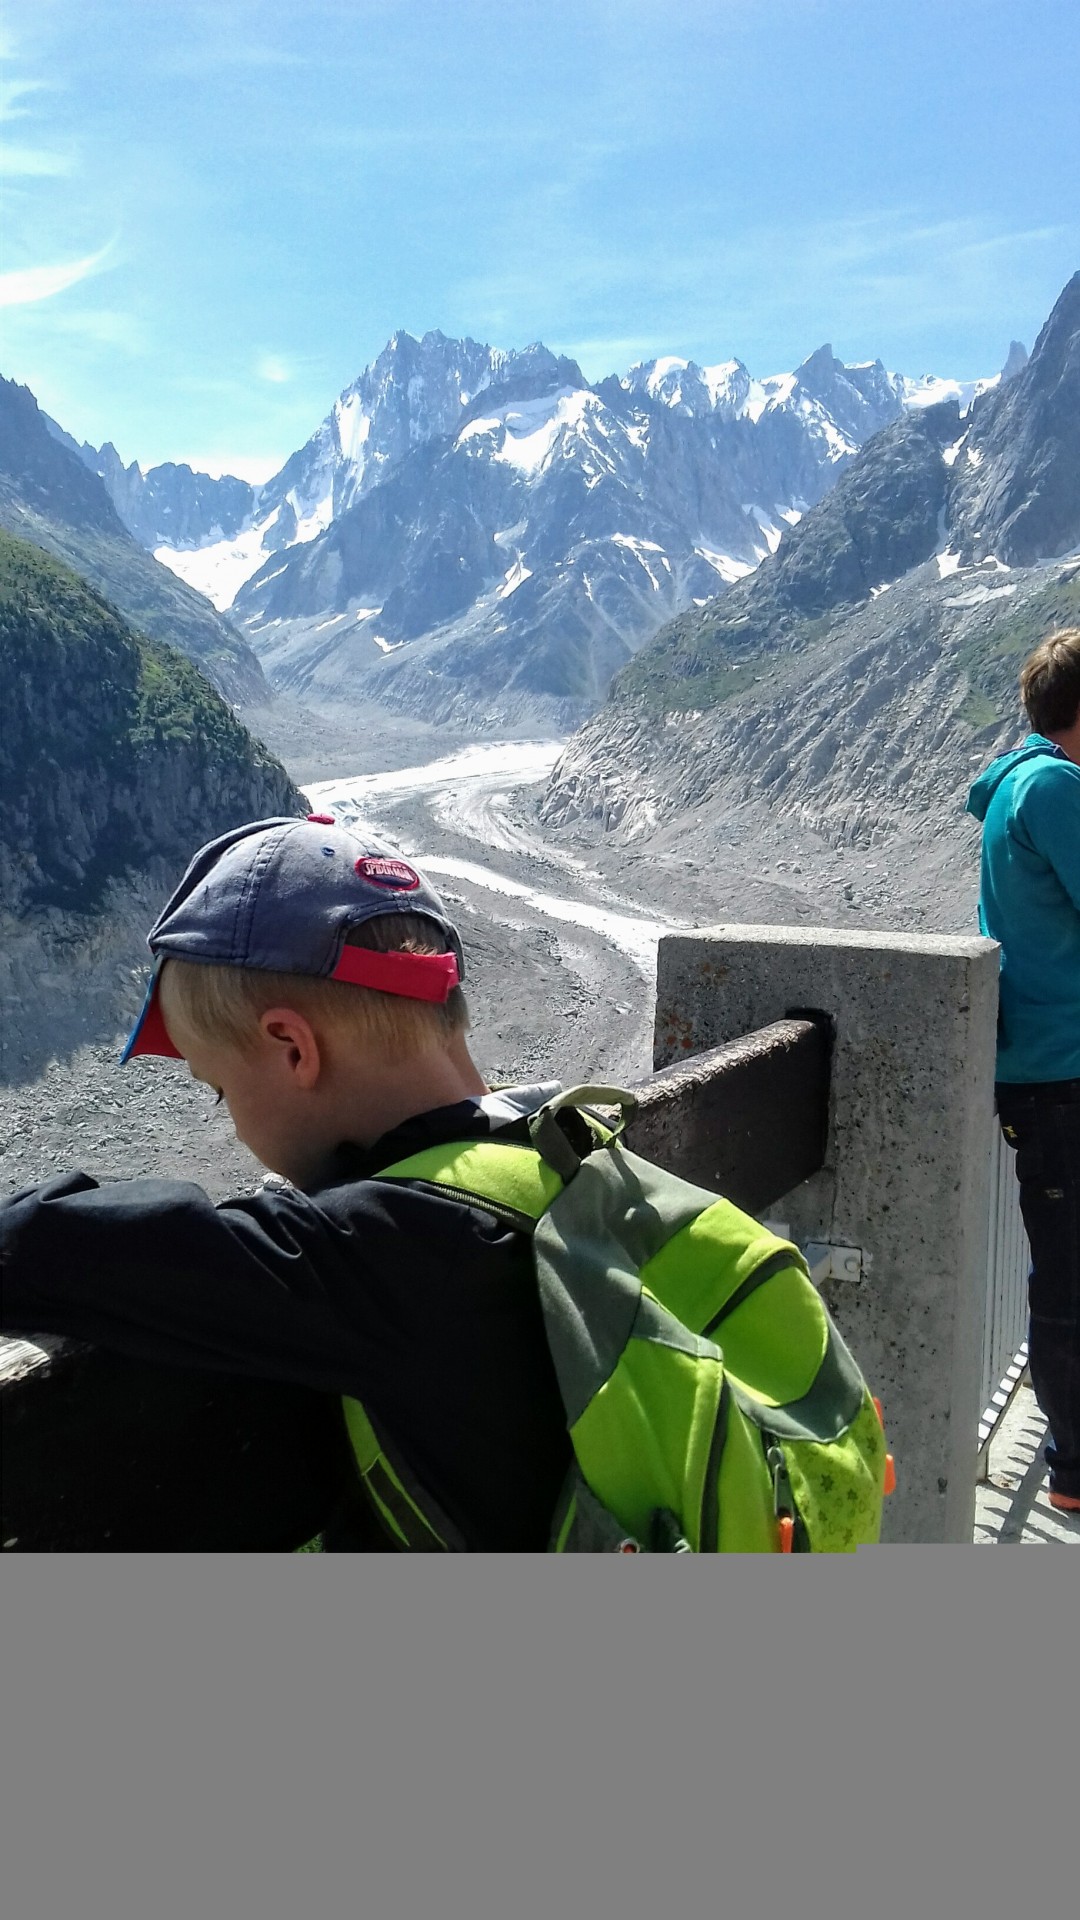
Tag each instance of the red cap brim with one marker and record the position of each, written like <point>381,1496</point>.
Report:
<point>150,1034</point>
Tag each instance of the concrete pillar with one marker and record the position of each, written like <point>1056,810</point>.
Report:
<point>906,1173</point>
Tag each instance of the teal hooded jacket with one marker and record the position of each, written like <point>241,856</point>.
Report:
<point>1029,900</point>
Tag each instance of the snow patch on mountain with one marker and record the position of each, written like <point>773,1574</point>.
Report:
<point>929,391</point>
<point>725,565</point>
<point>513,578</point>
<point>219,569</point>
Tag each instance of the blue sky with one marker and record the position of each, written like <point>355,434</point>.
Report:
<point>215,214</point>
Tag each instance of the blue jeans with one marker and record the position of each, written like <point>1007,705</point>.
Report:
<point>1042,1122</point>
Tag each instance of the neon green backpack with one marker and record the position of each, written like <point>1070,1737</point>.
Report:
<point>711,1403</point>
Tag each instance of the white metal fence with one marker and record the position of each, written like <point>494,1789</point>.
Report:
<point>1007,1261</point>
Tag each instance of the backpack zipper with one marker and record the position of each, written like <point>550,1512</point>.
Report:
<point>783,1497</point>
<point>766,1269</point>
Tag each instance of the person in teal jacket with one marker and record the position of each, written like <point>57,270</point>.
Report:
<point>1029,804</point>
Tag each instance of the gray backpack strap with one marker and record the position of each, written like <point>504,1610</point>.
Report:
<point>548,1137</point>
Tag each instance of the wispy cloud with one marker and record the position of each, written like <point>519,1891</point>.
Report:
<point>26,284</point>
<point>271,367</point>
<point>217,35</point>
<point>23,159</point>
<point>14,92</point>
<point>31,162</point>
<point>102,326</point>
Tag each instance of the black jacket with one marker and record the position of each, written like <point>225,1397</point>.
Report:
<point>421,1306</point>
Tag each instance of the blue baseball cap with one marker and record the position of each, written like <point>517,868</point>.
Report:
<point>282,895</point>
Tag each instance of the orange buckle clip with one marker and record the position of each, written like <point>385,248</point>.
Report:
<point>890,1475</point>
<point>787,1532</point>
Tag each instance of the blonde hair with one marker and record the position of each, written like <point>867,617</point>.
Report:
<point>1050,682</point>
<point>225,1004</point>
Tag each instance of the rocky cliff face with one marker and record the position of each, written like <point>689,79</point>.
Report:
<point>50,497</point>
<point>117,759</point>
<point>1015,478</point>
<point>171,505</point>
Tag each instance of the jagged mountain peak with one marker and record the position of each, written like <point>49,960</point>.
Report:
<point>529,526</point>
<point>822,360</point>
<point>858,399</point>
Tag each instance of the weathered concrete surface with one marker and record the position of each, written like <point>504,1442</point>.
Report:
<point>748,1118</point>
<point>906,1163</point>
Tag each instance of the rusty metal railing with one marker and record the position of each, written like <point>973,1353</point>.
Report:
<point>749,1118</point>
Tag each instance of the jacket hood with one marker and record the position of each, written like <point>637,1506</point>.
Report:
<point>992,776</point>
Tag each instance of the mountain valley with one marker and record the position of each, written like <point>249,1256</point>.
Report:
<point>796,748</point>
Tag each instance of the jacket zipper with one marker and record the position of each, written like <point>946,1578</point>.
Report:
<point>523,1221</point>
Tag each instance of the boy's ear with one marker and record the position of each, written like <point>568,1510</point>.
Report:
<point>293,1039</point>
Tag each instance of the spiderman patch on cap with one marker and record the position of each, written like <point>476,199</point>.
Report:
<point>383,872</point>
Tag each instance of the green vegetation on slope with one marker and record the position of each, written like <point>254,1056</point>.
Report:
<point>991,658</point>
<point>114,749</point>
<point>154,600</point>
<point>49,497</point>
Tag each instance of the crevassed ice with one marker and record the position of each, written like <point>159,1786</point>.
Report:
<point>722,379</point>
<point>530,436</point>
<point>525,760</point>
<point>929,389</point>
<point>636,937</point>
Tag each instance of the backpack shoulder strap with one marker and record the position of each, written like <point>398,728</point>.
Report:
<point>407,1513</point>
<point>508,1175</point>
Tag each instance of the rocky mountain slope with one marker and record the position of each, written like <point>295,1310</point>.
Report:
<point>48,496</point>
<point>117,759</point>
<point>484,536</point>
<point>852,686</point>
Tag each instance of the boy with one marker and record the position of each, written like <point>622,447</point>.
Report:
<point>1029,804</point>
<point>311,977</point>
